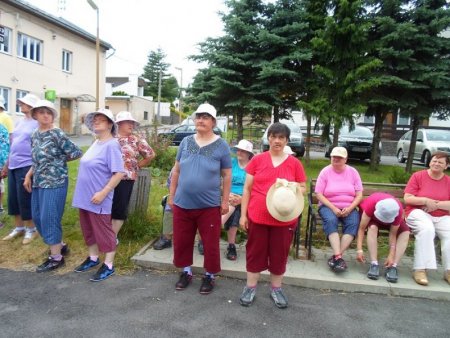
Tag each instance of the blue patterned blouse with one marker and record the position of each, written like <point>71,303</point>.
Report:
<point>4,145</point>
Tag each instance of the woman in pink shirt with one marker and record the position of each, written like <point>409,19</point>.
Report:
<point>339,191</point>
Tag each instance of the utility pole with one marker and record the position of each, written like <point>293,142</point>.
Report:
<point>180,99</point>
<point>158,113</point>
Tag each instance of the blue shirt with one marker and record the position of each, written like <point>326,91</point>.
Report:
<point>199,182</point>
<point>237,177</point>
<point>4,145</point>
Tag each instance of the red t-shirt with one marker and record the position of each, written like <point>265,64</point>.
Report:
<point>368,206</point>
<point>264,175</point>
<point>422,185</point>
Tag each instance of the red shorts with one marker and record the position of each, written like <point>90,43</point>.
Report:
<point>268,247</point>
<point>97,229</point>
<point>185,225</point>
<point>383,226</point>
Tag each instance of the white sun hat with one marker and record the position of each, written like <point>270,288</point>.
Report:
<point>46,104</point>
<point>288,150</point>
<point>387,210</point>
<point>29,99</point>
<point>126,116</point>
<point>2,103</point>
<point>285,200</point>
<point>245,146</point>
<point>89,119</point>
<point>205,108</point>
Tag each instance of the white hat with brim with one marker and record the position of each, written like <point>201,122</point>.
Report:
<point>288,150</point>
<point>29,100</point>
<point>386,210</point>
<point>89,119</point>
<point>285,200</point>
<point>44,104</point>
<point>339,152</point>
<point>205,108</point>
<point>245,146</point>
<point>2,104</point>
<point>126,116</point>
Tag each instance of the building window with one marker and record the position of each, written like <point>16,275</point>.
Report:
<point>4,95</point>
<point>66,61</point>
<point>403,119</point>
<point>369,119</point>
<point>19,94</point>
<point>29,48</point>
<point>146,115</point>
<point>5,40</point>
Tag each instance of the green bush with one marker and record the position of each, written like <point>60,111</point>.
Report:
<point>399,176</point>
<point>165,154</point>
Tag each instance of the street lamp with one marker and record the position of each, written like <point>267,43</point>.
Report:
<point>97,51</point>
<point>180,103</point>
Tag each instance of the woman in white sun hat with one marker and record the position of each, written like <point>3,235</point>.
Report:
<point>47,179</point>
<point>17,166</point>
<point>136,154</point>
<point>270,206</point>
<point>100,171</point>
<point>230,221</point>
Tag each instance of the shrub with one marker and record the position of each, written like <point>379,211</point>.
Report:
<point>399,176</point>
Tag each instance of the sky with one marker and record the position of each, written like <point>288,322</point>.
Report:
<point>136,27</point>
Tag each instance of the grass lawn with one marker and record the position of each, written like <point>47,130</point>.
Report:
<point>136,232</point>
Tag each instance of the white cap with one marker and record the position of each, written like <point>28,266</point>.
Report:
<point>44,103</point>
<point>29,100</point>
<point>126,116</point>
<point>89,120</point>
<point>206,108</point>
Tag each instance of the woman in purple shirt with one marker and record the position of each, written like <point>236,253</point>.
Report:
<point>19,162</point>
<point>100,171</point>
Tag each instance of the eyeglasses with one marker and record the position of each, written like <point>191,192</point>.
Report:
<point>202,116</point>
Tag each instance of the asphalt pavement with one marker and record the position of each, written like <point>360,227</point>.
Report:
<point>145,304</point>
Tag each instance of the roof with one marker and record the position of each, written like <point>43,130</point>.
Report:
<point>57,21</point>
<point>120,80</point>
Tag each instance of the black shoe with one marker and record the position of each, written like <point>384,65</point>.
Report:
<point>331,262</point>
<point>374,272</point>
<point>184,281</point>
<point>102,273</point>
<point>391,274</point>
<point>50,264</point>
<point>207,285</point>
<point>86,265</point>
<point>64,250</point>
<point>201,251</point>
<point>162,243</point>
<point>339,265</point>
<point>231,252</point>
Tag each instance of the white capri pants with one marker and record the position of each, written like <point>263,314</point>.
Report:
<point>425,227</point>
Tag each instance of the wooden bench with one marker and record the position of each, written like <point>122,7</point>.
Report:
<point>314,220</point>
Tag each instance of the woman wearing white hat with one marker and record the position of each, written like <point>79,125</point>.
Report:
<point>244,152</point>
<point>136,154</point>
<point>382,211</point>
<point>47,179</point>
<point>270,207</point>
<point>100,171</point>
<point>19,162</point>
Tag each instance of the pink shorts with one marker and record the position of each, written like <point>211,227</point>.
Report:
<point>97,229</point>
<point>268,247</point>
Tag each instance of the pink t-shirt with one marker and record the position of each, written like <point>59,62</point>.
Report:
<point>368,206</point>
<point>264,175</point>
<point>422,185</point>
<point>339,188</point>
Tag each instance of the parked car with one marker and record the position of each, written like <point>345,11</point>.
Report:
<point>358,143</point>
<point>177,134</point>
<point>296,140</point>
<point>428,141</point>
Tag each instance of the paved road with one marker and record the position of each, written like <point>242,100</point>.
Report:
<point>145,304</point>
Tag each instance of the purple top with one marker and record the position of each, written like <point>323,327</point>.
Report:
<point>20,151</point>
<point>97,166</point>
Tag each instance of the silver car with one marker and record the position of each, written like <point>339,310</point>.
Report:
<point>428,142</point>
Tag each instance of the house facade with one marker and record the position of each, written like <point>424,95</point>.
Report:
<point>51,58</point>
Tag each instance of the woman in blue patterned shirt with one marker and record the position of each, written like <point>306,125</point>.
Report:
<point>48,181</point>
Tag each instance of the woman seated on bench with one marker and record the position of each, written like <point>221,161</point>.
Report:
<point>339,191</point>
<point>382,211</point>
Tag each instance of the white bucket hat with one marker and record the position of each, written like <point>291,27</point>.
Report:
<point>288,150</point>
<point>126,116</point>
<point>2,103</point>
<point>285,200</point>
<point>205,108</point>
<point>339,152</point>
<point>386,210</point>
<point>47,104</point>
<point>29,99</point>
<point>89,119</point>
<point>245,146</point>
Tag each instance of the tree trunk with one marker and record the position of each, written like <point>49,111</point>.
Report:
<point>378,129</point>
<point>412,145</point>
<point>276,114</point>
<point>240,126</point>
<point>308,138</point>
<point>335,135</point>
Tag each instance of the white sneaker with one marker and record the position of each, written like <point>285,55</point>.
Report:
<point>29,236</point>
<point>13,234</point>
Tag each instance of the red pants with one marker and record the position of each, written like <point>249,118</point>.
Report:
<point>185,225</point>
<point>97,229</point>
<point>268,247</point>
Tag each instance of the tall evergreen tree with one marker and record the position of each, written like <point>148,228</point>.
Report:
<point>152,70</point>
